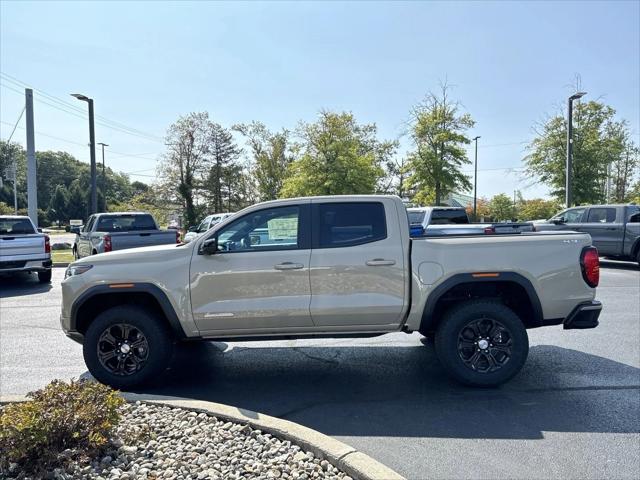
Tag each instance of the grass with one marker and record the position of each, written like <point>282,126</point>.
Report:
<point>62,256</point>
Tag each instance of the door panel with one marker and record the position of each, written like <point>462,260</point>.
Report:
<point>357,267</point>
<point>606,231</point>
<point>259,278</point>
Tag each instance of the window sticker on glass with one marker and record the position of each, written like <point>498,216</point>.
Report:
<point>283,228</point>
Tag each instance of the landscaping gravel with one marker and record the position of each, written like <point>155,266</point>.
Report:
<point>160,442</point>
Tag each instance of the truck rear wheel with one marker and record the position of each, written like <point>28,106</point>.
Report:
<point>44,277</point>
<point>482,343</point>
<point>127,346</point>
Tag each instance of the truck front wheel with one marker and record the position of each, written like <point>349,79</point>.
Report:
<point>481,343</point>
<point>127,346</point>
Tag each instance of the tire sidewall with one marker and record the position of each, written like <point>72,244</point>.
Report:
<point>45,277</point>
<point>159,343</point>
<point>446,342</point>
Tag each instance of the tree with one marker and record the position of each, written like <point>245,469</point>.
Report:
<point>224,169</point>
<point>337,156</point>
<point>77,205</point>
<point>394,181</point>
<point>501,208</point>
<point>438,134</point>
<point>634,193</point>
<point>271,157</point>
<point>187,159</point>
<point>537,208</point>
<point>58,205</point>
<point>622,171</point>
<point>482,209</point>
<point>598,143</point>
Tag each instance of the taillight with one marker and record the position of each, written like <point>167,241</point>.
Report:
<point>590,264</point>
<point>489,230</point>
<point>47,244</point>
<point>107,243</point>
<point>177,236</point>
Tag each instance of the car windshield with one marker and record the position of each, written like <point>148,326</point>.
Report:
<point>126,223</point>
<point>15,226</point>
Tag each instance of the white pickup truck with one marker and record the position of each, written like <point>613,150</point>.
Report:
<point>23,248</point>
<point>330,267</point>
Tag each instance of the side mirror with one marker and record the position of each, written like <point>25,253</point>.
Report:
<point>559,221</point>
<point>39,230</point>
<point>74,229</point>
<point>209,247</point>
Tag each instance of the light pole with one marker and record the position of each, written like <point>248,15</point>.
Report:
<point>92,146</point>
<point>104,176</point>
<point>475,183</point>
<point>569,166</point>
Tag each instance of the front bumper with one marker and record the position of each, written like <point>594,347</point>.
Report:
<point>583,316</point>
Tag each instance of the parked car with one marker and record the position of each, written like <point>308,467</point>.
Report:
<point>329,267</point>
<point>205,225</point>
<point>107,232</point>
<point>614,229</point>
<point>440,221</point>
<point>23,248</point>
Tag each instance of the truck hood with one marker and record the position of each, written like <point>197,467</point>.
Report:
<point>140,255</point>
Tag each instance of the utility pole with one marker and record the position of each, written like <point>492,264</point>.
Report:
<point>32,186</point>
<point>569,165</point>
<point>104,177</point>
<point>92,146</point>
<point>475,184</point>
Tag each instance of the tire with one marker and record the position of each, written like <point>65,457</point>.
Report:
<point>139,364</point>
<point>487,324</point>
<point>638,257</point>
<point>44,277</point>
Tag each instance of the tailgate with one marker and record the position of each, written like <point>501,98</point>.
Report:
<point>147,238</point>
<point>27,246</point>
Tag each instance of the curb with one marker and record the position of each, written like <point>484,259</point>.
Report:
<point>354,463</point>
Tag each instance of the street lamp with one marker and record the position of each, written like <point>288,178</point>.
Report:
<point>569,166</point>
<point>104,176</point>
<point>475,183</point>
<point>92,146</point>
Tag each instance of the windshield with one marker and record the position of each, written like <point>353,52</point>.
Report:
<point>15,226</point>
<point>126,223</point>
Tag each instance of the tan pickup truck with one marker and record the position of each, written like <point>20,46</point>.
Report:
<point>330,267</point>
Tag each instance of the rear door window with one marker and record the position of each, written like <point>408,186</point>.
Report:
<point>348,224</point>
<point>416,217</point>
<point>601,215</point>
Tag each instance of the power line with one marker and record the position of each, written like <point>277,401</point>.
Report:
<point>16,125</point>
<point>67,106</point>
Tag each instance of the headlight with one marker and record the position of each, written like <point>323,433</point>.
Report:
<point>74,270</point>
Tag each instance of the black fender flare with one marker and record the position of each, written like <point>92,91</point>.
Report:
<point>148,288</point>
<point>428,317</point>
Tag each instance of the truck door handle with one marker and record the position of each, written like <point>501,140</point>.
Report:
<point>379,262</point>
<point>288,266</point>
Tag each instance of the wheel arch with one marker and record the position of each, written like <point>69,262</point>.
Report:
<point>513,289</point>
<point>101,297</point>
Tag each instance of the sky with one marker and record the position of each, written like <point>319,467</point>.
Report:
<point>510,64</point>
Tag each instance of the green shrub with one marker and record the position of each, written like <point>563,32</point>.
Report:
<point>77,415</point>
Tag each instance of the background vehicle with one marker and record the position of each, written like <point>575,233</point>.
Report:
<point>23,248</point>
<point>205,225</point>
<point>614,229</point>
<point>440,221</point>
<point>106,232</point>
<point>330,266</point>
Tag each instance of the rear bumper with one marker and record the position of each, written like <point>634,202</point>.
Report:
<point>15,266</point>
<point>583,316</point>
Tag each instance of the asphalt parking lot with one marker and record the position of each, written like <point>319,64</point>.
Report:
<point>573,412</point>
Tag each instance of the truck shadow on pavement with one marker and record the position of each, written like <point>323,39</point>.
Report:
<point>22,284</point>
<point>403,392</point>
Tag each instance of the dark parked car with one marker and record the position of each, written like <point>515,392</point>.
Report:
<point>614,229</point>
